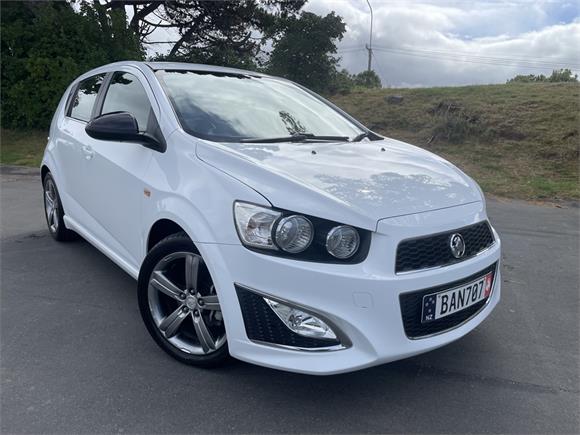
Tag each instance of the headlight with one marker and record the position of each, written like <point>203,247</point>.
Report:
<point>342,242</point>
<point>254,224</point>
<point>301,237</point>
<point>294,234</point>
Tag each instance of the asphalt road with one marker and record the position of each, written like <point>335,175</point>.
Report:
<point>76,358</point>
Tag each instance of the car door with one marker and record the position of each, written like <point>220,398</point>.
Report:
<point>71,142</point>
<point>114,170</point>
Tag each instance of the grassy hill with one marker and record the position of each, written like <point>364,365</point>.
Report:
<point>516,140</point>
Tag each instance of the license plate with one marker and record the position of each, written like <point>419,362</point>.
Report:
<point>447,302</point>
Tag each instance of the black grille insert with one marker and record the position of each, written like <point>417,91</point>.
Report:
<point>434,250</point>
<point>411,304</point>
<point>262,324</point>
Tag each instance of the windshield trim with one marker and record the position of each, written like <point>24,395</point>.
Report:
<point>232,139</point>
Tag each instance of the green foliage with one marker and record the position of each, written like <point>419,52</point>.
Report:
<point>225,33</point>
<point>563,75</point>
<point>220,53</point>
<point>343,82</point>
<point>46,45</point>
<point>367,79</point>
<point>558,76</point>
<point>305,52</point>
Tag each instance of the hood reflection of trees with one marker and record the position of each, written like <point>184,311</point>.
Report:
<point>396,188</point>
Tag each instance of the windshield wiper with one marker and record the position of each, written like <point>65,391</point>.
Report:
<point>293,138</point>
<point>361,136</point>
<point>300,137</point>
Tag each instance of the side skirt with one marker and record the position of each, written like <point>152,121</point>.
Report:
<point>119,261</point>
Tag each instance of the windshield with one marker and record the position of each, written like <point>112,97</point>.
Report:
<point>231,107</point>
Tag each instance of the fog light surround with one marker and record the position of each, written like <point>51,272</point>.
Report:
<point>301,322</point>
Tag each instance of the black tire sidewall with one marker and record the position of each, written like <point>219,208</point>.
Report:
<point>175,243</point>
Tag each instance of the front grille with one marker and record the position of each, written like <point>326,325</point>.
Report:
<point>262,324</point>
<point>411,306</point>
<point>434,250</point>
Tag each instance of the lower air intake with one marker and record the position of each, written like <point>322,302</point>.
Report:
<point>263,325</point>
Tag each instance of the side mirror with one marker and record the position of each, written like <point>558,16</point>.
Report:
<point>123,127</point>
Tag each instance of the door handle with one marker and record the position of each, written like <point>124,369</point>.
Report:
<point>88,152</point>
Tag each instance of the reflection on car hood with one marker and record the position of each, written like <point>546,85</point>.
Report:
<point>362,181</point>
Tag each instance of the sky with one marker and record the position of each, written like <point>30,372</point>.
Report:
<point>456,42</point>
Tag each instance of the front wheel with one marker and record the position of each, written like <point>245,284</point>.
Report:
<point>179,304</point>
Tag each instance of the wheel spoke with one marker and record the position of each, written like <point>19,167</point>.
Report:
<point>170,325</point>
<point>164,285</point>
<point>191,271</point>
<point>211,302</point>
<point>52,217</point>
<point>48,199</point>
<point>203,334</point>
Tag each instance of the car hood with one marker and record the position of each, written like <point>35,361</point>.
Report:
<point>355,183</point>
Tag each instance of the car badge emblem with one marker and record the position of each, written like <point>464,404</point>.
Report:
<point>457,245</point>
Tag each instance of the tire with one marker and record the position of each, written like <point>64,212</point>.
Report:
<point>54,212</point>
<point>181,310</point>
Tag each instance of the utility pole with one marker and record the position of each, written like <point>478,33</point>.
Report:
<point>369,47</point>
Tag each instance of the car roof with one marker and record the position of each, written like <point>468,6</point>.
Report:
<point>156,66</point>
<point>199,67</point>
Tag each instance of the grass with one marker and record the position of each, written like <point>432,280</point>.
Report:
<point>22,147</point>
<point>517,140</point>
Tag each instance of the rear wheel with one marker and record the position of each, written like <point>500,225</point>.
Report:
<point>54,212</point>
<point>179,304</point>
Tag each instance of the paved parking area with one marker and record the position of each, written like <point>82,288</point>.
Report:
<point>76,358</point>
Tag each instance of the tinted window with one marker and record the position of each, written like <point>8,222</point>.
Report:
<point>126,94</point>
<point>86,95</point>
<point>229,107</point>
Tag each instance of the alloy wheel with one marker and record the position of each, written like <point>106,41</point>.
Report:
<point>51,205</point>
<point>184,304</point>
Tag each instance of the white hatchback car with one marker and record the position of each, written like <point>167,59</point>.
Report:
<point>263,222</point>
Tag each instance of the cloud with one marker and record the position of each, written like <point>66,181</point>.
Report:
<point>440,43</point>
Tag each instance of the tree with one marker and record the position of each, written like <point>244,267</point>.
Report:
<point>367,79</point>
<point>305,52</point>
<point>342,83</point>
<point>145,17</point>
<point>45,46</point>
<point>230,33</point>
<point>558,76</point>
<point>563,75</point>
<point>242,26</point>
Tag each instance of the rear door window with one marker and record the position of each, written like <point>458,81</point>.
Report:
<point>85,98</point>
<point>127,94</point>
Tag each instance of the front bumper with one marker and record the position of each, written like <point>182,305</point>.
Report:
<point>362,300</point>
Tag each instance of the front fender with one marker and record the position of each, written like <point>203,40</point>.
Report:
<point>204,211</point>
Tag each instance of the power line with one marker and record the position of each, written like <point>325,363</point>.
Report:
<point>505,3</point>
<point>494,54</point>
<point>475,58</point>
<point>536,62</point>
<point>474,61</point>
<point>379,66</point>
<point>349,50</point>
